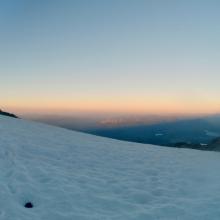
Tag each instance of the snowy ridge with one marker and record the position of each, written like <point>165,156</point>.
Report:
<point>74,176</point>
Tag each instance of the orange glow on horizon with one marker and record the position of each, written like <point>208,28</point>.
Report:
<point>124,105</point>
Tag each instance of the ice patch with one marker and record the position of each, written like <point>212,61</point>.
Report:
<point>159,134</point>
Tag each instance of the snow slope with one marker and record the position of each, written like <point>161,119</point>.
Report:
<point>74,176</point>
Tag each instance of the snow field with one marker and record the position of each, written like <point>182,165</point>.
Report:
<point>70,175</point>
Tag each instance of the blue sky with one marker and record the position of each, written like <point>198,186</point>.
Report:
<point>107,55</point>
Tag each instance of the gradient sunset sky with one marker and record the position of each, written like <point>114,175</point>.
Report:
<point>142,56</point>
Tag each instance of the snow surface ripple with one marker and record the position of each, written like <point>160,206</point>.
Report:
<point>74,176</point>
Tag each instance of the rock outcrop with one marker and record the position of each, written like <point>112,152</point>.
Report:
<point>7,114</point>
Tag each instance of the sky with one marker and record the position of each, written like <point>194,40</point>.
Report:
<point>140,56</point>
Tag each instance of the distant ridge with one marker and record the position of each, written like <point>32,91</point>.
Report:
<point>7,114</point>
<point>215,144</point>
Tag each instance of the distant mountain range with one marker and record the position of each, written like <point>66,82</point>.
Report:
<point>190,133</point>
<point>214,145</point>
<point>7,114</point>
<point>198,133</point>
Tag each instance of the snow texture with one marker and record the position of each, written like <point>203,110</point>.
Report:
<point>69,175</point>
